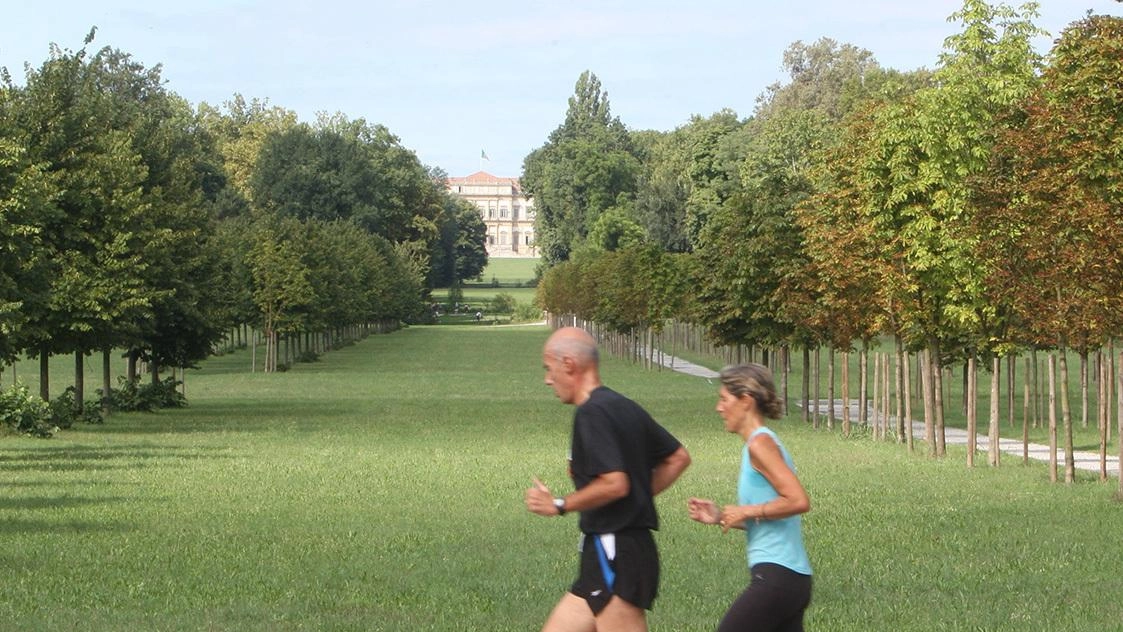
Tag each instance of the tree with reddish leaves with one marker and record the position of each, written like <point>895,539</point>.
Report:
<point>1052,217</point>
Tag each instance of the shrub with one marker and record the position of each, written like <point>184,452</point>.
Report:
<point>136,397</point>
<point>64,410</point>
<point>503,303</point>
<point>527,312</point>
<point>25,413</point>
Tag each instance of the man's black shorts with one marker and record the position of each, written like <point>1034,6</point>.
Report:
<point>635,566</point>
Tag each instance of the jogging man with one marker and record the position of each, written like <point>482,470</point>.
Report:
<point>620,459</point>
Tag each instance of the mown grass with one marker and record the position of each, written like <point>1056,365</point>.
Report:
<point>481,296</point>
<point>381,489</point>
<point>509,270</point>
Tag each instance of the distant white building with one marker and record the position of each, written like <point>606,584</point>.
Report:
<point>507,213</point>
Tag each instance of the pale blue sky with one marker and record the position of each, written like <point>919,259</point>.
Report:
<point>454,78</point>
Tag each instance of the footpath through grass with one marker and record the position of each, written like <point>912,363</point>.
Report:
<point>381,489</point>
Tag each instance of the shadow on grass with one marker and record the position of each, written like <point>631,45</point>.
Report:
<point>15,527</point>
<point>249,416</point>
<point>97,459</point>
<point>54,502</point>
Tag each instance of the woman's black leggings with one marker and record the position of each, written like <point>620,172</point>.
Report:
<point>774,601</point>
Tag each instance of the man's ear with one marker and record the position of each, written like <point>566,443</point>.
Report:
<point>569,365</point>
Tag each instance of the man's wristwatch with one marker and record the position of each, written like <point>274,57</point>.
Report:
<point>559,503</point>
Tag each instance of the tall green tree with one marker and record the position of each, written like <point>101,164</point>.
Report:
<point>986,69</point>
<point>240,129</point>
<point>586,166</point>
<point>824,76</point>
<point>77,120</point>
<point>26,190</point>
<point>461,252</point>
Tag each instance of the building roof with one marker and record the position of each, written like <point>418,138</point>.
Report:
<point>483,177</point>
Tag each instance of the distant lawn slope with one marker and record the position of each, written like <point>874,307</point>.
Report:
<point>508,271</point>
<point>382,489</point>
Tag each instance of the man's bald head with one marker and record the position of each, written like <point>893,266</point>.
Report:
<point>573,343</point>
<point>570,360</point>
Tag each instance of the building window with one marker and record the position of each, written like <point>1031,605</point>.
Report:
<point>491,240</point>
<point>503,238</point>
<point>491,212</point>
<point>503,212</point>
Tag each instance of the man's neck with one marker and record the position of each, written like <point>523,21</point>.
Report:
<point>590,384</point>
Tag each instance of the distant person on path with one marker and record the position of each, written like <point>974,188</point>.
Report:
<point>770,500</point>
<point>619,459</point>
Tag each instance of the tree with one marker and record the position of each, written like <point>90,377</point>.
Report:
<point>823,76</point>
<point>585,167</point>
<point>1053,225</point>
<point>461,252</point>
<point>282,288</point>
<point>78,118</point>
<point>938,139</point>
<point>752,242</point>
<point>25,191</point>
<point>240,132</point>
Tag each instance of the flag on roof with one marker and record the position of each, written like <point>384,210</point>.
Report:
<point>483,155</point>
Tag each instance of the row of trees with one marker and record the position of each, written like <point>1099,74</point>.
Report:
<point>131,220</point>
<point>967,212</point>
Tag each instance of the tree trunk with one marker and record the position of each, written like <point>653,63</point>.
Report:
<point>806,384</point>
<point>863,384</point>
<point>1027,409</point>
<point>904,373</point>
<point>1011,381</point>
<point>1102,418</point>
<point>106,379</point>
<point>1111,370</point>
<point>79,382</point>
<point>1083,389</point>
<point>44,374</point>
<point>130,369</point>
<point>969,393</point>
<point>1119,416</point>
<point>846,393</point>
<point>995,426</point>
<point>1052,418</point>
<point>782,363</point>
<point>929,405</point>
<point>938,394</point>
<point>1066,416</point>
<point>830,388</point>
<point>1038,411</point>
<point>873,422</point>
<point>885,400</point>
<point>815,379</point>
<point>966,387</point>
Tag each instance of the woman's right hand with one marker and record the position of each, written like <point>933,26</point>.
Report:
<point>704,510</point>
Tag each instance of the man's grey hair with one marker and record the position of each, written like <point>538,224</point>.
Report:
<point>583,350</point>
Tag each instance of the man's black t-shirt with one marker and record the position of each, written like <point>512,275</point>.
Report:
<point>611,433</point>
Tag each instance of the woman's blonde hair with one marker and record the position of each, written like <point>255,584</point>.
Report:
<point>754,380</point>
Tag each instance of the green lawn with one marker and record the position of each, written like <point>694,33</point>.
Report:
<point>509,270</point>
<point>381,489</point>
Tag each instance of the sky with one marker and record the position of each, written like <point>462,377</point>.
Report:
<point>456,80</point>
